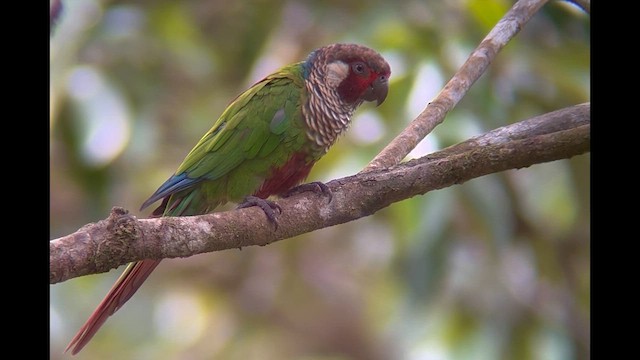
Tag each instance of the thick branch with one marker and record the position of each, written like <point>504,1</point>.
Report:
<point>121,238</point>
<point>457,87</point>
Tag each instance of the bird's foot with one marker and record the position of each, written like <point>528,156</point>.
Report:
<point>315,186</point>
<point>268,207</point>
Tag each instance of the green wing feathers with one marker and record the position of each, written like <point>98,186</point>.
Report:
<point>258,131</point>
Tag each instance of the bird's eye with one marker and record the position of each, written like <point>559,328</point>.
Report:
<point>358,68</point>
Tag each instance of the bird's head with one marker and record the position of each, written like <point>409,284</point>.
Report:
<point>355,72</point>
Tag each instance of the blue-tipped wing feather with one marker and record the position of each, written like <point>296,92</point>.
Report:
<point>173,185</point>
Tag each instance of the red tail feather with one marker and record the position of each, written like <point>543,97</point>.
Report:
<point>128,283</point>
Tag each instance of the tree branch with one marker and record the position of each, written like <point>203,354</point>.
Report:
<point>477,63</point>
<point>122,238</point>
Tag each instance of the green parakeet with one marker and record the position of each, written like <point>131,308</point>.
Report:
<point>264,143</point>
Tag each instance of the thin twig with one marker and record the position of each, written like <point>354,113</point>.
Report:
<point>457,87</point>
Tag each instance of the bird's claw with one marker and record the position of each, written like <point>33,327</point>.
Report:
<point>268,207</point>
<point>315,186</point>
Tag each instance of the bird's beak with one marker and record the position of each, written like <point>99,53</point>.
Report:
<point>378,90</point>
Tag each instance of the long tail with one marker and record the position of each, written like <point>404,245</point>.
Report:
<point>128,283</point>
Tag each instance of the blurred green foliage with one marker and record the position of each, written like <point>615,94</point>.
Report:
<point>496,268</point>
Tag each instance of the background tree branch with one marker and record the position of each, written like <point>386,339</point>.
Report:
<point>122,238</point>
<point>457,87</point>
<point>508,252</point>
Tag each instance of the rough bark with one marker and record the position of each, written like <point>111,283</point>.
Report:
<point>122,238</point>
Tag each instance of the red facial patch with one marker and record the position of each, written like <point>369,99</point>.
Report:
<point>352,88</point>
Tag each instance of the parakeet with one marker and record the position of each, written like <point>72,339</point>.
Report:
<point>264,143</point>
